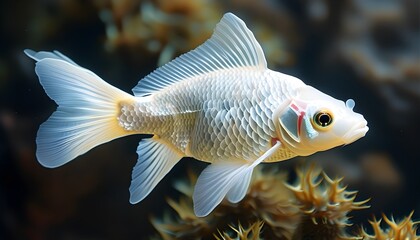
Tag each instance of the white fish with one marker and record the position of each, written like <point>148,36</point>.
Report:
<point>218,103</point>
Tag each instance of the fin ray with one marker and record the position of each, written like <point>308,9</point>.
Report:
<point>232,45</point>
<point>213,184</point>
<point>155,160</point>
<point>87,111</point>
<point>240,187</point>
<point>38,56</point>
<point>224,178</point>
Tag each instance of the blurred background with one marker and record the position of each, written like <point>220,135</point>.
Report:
<point>368,50</point>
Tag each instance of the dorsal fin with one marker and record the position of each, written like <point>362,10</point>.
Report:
<point>232,45</point>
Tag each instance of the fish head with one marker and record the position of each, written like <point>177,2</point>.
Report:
<point>313,121</point>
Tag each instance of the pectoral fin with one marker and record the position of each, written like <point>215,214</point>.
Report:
<point>214,183</point>
<point>240,187</point>
<point>224,178</point>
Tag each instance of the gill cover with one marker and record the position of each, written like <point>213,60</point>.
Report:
<point>295,119</point>
<point>291,119</point>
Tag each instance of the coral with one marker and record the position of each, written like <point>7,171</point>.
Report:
<point>164,27</point>
<point>316,206</point>
<point>324,202</point>
<point>251,233</point>
<point>168,28</point>
<point>404,229</point>
<point>267,200</point>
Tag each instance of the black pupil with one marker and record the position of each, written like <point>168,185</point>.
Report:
<point>324,119</point>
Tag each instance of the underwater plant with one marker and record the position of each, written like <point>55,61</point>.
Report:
<point>164,28</point>
<point>267,200</point>
<point>404,229</point>
<point>316,206</point>
<point>251,233</point>
<point>325,204</point>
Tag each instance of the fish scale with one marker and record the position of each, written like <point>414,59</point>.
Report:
<point>203,121</point>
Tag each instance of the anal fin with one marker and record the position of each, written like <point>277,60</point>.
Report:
<point>155,160</point>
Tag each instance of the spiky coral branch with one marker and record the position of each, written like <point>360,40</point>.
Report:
<point>325,204</point>
<point>251,233</point>
<point>402,230</point>
<point>284,210</point>
<point>323,198</point>
<point>267,200</point>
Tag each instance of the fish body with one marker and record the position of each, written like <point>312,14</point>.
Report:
<point>224,115</point>
<point>218,103</point>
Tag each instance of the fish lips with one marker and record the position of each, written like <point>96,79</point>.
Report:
<point>356,132</point>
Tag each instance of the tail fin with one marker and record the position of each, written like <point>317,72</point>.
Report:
<point>87,109</point>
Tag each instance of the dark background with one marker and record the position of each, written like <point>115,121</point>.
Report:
<point>365,50</point>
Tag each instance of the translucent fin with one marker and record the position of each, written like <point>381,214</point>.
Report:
<point>38,56</point>
<point>87,113</point>
<point>222,178</point>
<point>240,187</point>
<point>155,160</point>
<point>214,183</point>
<point>232,45</point>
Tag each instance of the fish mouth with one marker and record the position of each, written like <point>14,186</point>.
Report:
<point>356,132</point>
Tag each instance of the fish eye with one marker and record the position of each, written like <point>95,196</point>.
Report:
<point>322,119</point>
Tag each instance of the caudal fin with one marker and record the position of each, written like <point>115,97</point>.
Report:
<point>87,109</point>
